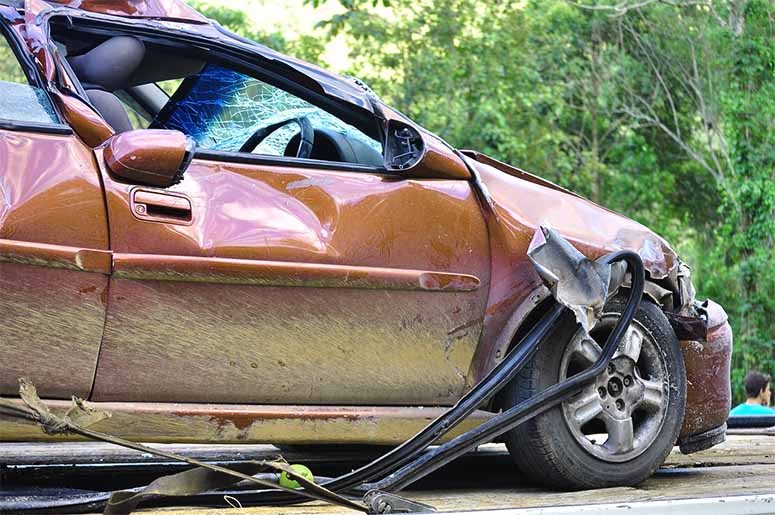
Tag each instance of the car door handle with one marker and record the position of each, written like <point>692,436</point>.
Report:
<point>153,206</point>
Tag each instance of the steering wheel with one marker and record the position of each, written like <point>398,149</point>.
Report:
<point>306,139</point>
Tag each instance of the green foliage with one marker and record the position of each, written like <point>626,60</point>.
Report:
<point>10,69</point>
<point>349,4</point>
<point>538,85</point>
<point>748,227</point>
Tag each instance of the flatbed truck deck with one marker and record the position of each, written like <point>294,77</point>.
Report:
<point>735,477</point>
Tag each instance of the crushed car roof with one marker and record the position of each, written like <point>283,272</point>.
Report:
<point>162,9</point>
<point>331,84</point>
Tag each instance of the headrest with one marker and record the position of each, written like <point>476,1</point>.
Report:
<point>110,64</point>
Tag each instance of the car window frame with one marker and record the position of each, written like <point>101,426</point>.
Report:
<point>231,56</point>
<point>247,157</point>
<point>34,79</point>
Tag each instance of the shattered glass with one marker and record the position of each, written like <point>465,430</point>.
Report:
<point>223,108</point>
<point>19,101</point>
<point>23,103</point>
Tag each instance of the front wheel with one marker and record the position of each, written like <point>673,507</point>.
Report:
<point>618,429</point>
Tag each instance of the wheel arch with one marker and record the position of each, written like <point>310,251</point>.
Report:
<point>537,303</point>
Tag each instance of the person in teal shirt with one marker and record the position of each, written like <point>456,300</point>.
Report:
<point>757,392</point>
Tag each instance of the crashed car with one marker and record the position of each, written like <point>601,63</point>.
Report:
<point>219,243</point>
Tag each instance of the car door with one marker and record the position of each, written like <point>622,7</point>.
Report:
<point>294,285</point>
<point>54,254</point>
<point>267,279</point>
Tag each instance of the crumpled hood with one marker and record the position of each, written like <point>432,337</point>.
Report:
<point>522,202</point>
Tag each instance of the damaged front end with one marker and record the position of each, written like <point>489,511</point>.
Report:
<point>578,283</point>
<point>705,336</point>
<point>517,202</point>
<point>708,359</point>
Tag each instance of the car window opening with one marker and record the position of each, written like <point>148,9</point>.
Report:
<point>135,84</point>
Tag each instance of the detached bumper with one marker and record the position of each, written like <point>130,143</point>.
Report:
<point>708,396</point>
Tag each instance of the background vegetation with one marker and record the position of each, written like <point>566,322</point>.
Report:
<point>660,109</point>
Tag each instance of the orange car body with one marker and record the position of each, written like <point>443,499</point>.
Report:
<point>283,303</point>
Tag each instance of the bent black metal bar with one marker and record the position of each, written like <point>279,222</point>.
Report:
<point>539,403</point>
<point>424,464</point>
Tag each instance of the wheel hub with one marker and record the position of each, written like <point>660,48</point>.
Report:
<point>615,387</point>
<point>618,416</point>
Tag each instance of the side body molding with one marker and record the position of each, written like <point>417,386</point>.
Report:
<point>231,271</point>
<point>56,256</point>
<point>278,273</point>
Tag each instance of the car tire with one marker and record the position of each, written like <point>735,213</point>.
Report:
<point>565,448</point>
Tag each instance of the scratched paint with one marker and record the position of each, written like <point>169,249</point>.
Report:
<point>192,342</point>
<point>50,328</point>
<point>257,343</point>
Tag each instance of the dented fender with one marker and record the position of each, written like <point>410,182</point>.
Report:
<point>515,204</point>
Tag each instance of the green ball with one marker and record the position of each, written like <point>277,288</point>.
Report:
<point>288,482</point>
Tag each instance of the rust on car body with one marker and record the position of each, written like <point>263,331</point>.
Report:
<point>416,282</point>
<point>225,423</point>
<point>708,363</point>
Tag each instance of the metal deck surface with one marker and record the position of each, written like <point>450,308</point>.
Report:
<point>735,477</point>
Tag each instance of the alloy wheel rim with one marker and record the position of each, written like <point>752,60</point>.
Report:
<point>619,415</point>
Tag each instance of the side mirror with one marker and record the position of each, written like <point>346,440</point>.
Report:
<point>404,146</point>
<point>421,154</point>
<point>154,157</point>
